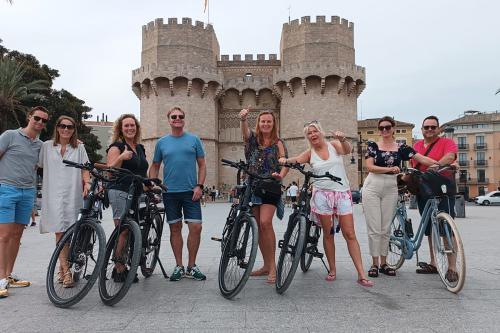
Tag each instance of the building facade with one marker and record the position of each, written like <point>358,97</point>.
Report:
<point>478,137</point>
<point>103,130</point>
<point>315,77</point>
<point>368,131</point>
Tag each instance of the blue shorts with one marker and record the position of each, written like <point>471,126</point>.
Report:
<point>16,204</point>
<point>181,204</point>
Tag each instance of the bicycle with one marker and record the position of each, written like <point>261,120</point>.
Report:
<point>301,236</point>
<point>125,247</point>
<point>240,236</point>
<point>84,243</point>
<point>446,241</point>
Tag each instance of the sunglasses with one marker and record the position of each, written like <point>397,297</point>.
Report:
<point>174,116</point>
<point>38,119</point>
<point>429,127</point>
<point>386,128</point>
<point>310,123</point>
<point>64,126</point>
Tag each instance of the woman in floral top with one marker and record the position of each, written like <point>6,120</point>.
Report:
<point>263,148</point>
<point>380,193</point>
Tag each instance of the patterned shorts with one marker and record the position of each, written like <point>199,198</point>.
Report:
<point>325,202</point>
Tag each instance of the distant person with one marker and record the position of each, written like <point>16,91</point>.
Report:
<point>329,198</point>
<point>62,190</point>
<point>293,190</point>
<point>263,149</point>
<point>380,192</point>
<point>19,151</point>
<point>181,154</point>
<point>444,151</point>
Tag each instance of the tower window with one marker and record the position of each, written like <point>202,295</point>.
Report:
<point>248,77</point>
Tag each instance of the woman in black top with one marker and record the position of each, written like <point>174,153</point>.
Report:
<point>125,152</point>
<point>380,193</point>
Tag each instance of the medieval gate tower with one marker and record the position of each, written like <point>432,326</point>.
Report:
<point>315,78</point>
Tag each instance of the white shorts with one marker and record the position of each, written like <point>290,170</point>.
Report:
<point>326,202</point>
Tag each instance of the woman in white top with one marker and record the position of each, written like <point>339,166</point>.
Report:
<point>330,198</point>
<point>63,190</point>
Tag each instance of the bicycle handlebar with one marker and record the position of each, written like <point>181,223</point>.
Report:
<point>144,180</point>
<point>244,167</point>
<point>300,168</point>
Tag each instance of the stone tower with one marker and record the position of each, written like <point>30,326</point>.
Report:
<point>316,78</point>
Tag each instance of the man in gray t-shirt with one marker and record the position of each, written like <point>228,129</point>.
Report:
<point>19,151</point>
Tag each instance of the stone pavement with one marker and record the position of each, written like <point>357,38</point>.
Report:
<point>407,302</point>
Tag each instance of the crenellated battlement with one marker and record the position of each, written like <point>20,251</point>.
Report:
<point>320,20</point>
<point>248,60</point>
<point>174,23</point>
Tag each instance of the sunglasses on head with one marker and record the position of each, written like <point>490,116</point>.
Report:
<point>386,127</point>
<point>38,119</point>
<point>310,123</point>
<point>64,126</point>
<point>175,116</point>
<point>431,127</point>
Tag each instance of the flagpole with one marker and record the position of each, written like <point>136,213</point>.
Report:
<point>208,5</point>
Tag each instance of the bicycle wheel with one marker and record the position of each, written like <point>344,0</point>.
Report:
<point>88,254</point>
<point>151,245</point>
<point>395,258</point>
<point>310,247</point>
<point>237,259</point>
<point>291,253</point>
<point>124,250</point>
<point>449,252</point>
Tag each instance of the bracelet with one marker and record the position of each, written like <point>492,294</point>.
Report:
<point>243,119</point>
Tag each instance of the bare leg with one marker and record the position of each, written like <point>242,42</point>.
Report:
<point>266,233</point>
<point>193,242</point>
<point>264,269</point>
<point>176,241</point>
<point>328,242</point>
<point>347,227</point>
<point>13,247</point>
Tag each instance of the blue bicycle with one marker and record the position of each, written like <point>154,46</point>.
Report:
<point>446,241</point>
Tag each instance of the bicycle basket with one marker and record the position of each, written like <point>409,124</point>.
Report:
<point>433,182</point>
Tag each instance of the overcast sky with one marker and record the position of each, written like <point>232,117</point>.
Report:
<point>437,57</point>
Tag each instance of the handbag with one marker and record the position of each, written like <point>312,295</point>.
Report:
<point>268,189</point>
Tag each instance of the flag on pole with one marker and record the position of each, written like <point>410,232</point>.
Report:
<point>205,6</point>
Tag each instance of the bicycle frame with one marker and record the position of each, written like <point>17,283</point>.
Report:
<point>412,244</point>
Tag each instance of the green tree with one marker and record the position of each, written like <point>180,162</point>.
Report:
<point>15,93</point>
<point>58,102</point>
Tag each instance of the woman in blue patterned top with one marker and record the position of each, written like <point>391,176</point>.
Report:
<point>263,149</point>
<point>380,192</point>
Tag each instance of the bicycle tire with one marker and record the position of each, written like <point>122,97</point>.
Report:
<point>292,248</point>
<point>312,237</point>
<point>444,228</point>
<point>151,249</point>
<point>247,232</point>
<point>112,291</point>
<point>89,235</point>
<point>395,255</point>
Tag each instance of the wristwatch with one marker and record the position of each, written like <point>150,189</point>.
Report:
<point>200,186</point>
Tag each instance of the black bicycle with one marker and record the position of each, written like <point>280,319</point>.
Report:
<point>124,249</point>
<point>240,236</point>
<point>82,245</point>
<point>300,241</point>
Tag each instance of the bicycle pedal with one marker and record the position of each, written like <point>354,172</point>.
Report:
<point>317,255</point>
<point>243,265</point>
<point>280,243</point>
<point>216,239</point>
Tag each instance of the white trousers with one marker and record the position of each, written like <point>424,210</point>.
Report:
<point>380,197</point>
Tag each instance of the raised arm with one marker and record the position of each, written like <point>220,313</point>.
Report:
<point>302,158</point>
<point>245,131</point>
<point>342,146</point>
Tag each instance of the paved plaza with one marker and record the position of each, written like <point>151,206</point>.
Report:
<point>405,303</point>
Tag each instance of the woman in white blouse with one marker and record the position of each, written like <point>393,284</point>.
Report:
<point>63,189</point>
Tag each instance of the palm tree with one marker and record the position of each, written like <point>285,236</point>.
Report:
<point>14,92</point>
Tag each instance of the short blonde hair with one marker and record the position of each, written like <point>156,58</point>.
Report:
<point>317,125</point>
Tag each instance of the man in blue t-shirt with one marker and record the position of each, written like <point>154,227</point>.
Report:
<point>180,153</point>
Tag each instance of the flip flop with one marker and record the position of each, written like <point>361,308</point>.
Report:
<point>365,283</point>
<point>271,279</point>
<point>425,268</point>
<point>331,277</point>
<point>259,272</point>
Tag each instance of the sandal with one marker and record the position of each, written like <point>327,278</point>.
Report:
<point>365,283</point>
<point>331,277</point>
<point>60,275</point>
<point>271,279</point>
<point>68,280</point>
<point>260,272</point>
<point>385,269</point>
<point>451,276</point>
<point>425,268</point>
<point>373,272</point>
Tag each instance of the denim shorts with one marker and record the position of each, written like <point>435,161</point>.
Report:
<point>16,204</point>
<point>118,201</point>
<point>180,205</point>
